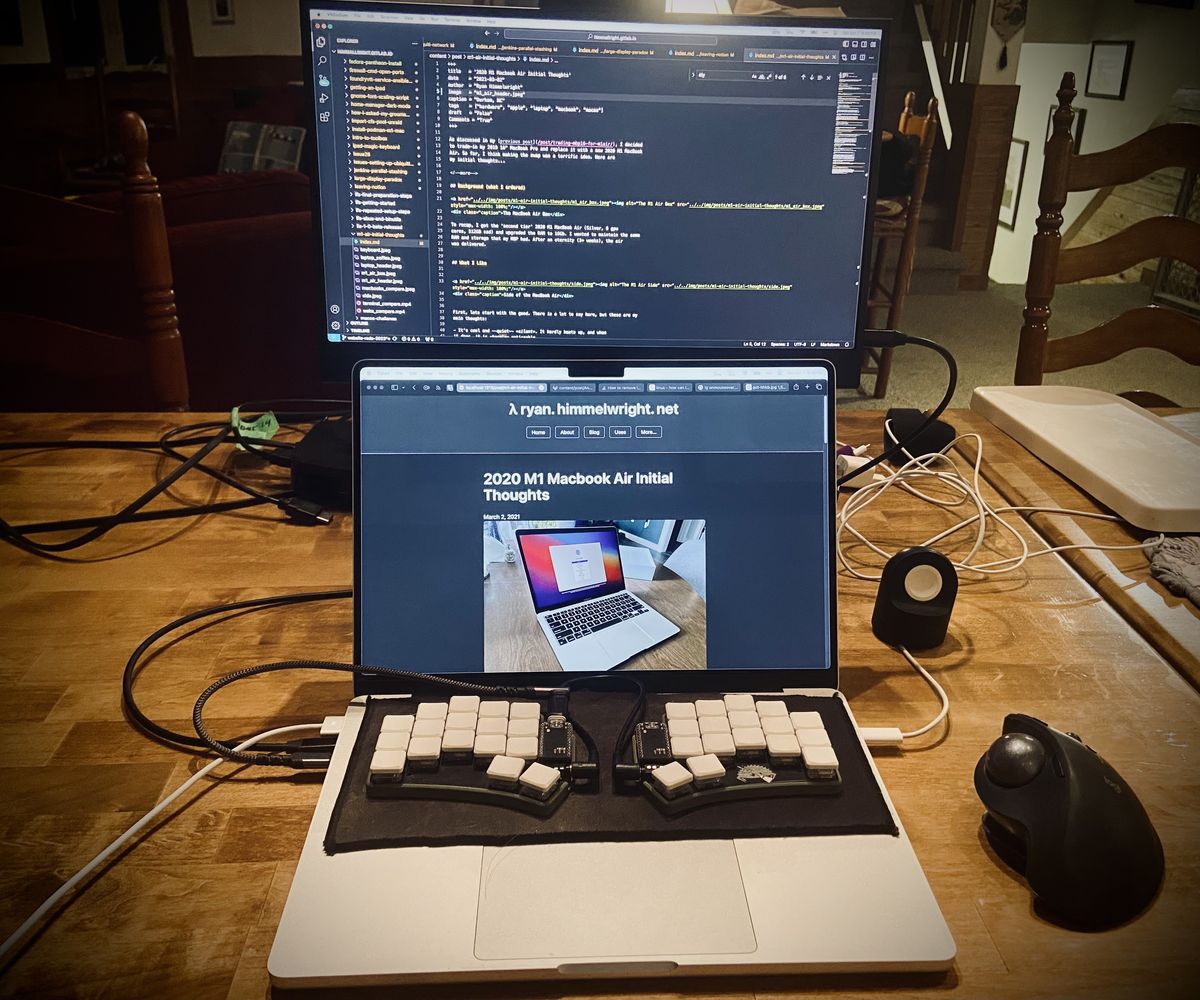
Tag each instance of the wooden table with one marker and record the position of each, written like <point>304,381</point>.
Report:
<point>191,910</point>
<point>511,633</point>
<point>1171,624</point>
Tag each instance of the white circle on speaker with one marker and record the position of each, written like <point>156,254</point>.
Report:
<point>923,583</point>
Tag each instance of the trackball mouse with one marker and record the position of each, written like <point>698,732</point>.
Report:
<point>1060,815</point>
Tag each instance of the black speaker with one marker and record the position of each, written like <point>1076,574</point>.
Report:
<point>916,596</point>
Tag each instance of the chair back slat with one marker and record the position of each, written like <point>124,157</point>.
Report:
<point>1161,236</point>
<point>1173,145</point>
<point>1049,265</point>
<point>1148,326</point>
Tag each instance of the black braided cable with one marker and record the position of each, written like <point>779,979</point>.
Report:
<point>278,760</point>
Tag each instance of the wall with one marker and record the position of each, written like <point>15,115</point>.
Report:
<point>35,48</point>
<point>261,28</point>
<point>1058,37</point>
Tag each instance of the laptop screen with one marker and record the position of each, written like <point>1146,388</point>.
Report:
<point>519,520</point>
<point>569,565</point>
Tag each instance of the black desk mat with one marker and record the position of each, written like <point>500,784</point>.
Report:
<point>361,823</point>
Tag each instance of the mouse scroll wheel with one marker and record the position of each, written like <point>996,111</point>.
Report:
<point>1015,759</point>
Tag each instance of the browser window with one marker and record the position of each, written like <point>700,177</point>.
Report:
<point>503,519</point>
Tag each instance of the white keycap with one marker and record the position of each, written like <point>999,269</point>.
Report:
<point>490,745</point>
<point>429,727</point>
<point>432,710</point>
<point>506,770</point>
<point>812,738</point>
<point>686,746</point>
<point>682,727</point>
<point>806,720</point>
<point>671,778</point>
<point>465,703</point>
<point>785,747</point>
<point>539,780</point>
<point>714,724</point>
<point>461,720</point>
<point>710,708</point>
<point>739,703</point>
<point>493,709</point>
<point>397,724</point>
<point>719,743</point>
<point>742,719</point>
<point>680,710</point>
<point>820,758</point>
<point>771,709</point>
<point>748,738</point>
<point>492,725</point>
<point>524,710</point>
<point>522,746</point>
<point>458,741</point>
<point>777,725</point>
<point>424,748</point>
<point>392,741</point>
<point>522,727</point>
<point>387,762</point>
<point>707,768</point>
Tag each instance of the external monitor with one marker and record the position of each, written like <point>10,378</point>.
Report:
<point>539,184</point>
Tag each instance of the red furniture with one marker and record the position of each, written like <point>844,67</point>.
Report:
<point>247,288</point>
<point>245,279</point>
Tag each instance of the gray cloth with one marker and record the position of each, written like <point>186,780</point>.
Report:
<point>1176,565</point>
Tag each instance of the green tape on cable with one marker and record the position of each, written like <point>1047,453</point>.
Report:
<point>262,429</point>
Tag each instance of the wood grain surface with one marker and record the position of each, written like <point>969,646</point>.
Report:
<point>190,909</point>
<point>1171,624</point>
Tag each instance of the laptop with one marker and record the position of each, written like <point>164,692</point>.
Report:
<point>451,463</point>
<point>589,618</point>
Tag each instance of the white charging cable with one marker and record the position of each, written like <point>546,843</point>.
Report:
<point>68,886</point>
<point>893,736</point>
<point>937,479</point>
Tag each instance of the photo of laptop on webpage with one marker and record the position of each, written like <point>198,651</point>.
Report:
<point>672,519</point>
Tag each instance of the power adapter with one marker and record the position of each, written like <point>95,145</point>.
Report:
<point>321,464</point>
<point>900,424</point>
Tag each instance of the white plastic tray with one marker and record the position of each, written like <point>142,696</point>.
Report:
<point>1142,467</point>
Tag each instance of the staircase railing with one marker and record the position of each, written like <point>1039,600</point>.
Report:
<point>945,27</point>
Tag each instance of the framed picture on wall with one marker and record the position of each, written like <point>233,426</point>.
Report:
<point>222,11</point>
<point>1076,127</point>
<point>1014,174</point>
<point>1108,70</point>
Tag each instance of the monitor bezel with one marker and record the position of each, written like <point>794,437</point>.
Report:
<point>338,359</point>
<point>703,680</point>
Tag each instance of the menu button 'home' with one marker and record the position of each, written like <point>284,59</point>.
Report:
<point>537,432</point>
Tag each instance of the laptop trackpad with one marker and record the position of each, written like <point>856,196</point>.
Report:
<point>563,901</point>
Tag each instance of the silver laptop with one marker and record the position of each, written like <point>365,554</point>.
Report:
<point>455,460</point>
<point>576,583</point>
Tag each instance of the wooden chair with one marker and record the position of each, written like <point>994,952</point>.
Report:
<point>903,227</point>
<point>89,305</point>
<point>1049,265</point>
